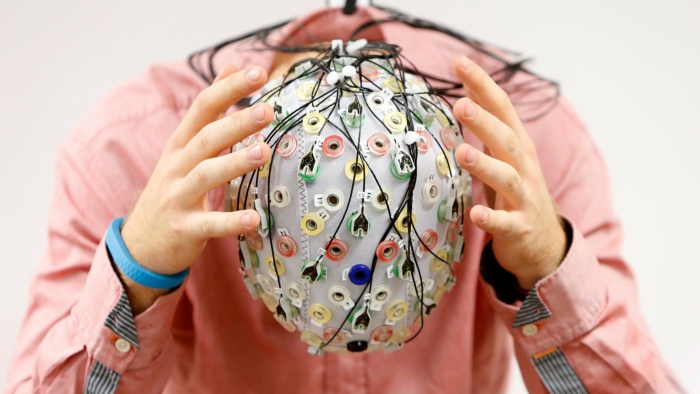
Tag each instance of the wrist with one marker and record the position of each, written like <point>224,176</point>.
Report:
<point>140,297</point>
<point>139,250</point>
<point>132,269</point>
<point>557,246</point>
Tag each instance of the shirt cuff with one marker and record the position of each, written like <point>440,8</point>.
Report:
<point>107,326</point>
<point>560,307</point>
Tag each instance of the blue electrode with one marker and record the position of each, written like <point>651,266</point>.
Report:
<point>359,274</point>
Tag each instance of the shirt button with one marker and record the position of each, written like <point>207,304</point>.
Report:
<point>529,330</point>
<point>122,345</point>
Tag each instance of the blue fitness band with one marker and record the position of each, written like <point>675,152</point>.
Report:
<point>133,270</point>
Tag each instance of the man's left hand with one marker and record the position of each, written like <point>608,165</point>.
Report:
<point>529,239</point>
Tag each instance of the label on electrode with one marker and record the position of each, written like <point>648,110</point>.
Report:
<point>323,214</point>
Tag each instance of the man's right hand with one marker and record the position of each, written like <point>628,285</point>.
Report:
<point>170,223</point>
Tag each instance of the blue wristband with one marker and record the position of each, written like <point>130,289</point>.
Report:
<point>133,270</point>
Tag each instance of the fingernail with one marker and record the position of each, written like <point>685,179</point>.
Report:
<point>253,74</point>
<point>254,152</point>
<point>247,220</point>
<point>469,108</point>
<point>258,113</point>
<point>484,216</point>
<point>467,64</point>
<point>470,156</point>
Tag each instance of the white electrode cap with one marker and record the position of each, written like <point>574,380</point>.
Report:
<point>411,138</point>
<point>332,78</point>
<point>349,71</point>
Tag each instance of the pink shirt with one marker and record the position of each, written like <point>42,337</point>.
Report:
<point>580,329</point>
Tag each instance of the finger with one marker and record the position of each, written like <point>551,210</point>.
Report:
<point>216,171</point>
<point>225,71</point>
<point>215,224</point>
<point>497,222</point>
<point>215,99</point>
<point>470,95</point>
<point>488,190</point>
<point>495,134</point>
<point>502,177</point>
<point>225,132</point>
<point>491,96</point>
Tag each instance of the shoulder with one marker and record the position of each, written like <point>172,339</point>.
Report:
<point>161,87</point>
<point>121,137</point>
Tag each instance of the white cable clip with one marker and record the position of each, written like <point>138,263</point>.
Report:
<point>303,67</point>
<point>245,253</point>
<point>426,114</point>
<point>353,48</point>
<point>263,226</point>
<point>337,44</point>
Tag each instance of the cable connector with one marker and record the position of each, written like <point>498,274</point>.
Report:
<point>402,164</point>
<point>361,319</point>
<point>337,44</point>
<point>303,67</point>
<point>310,165</point>
<point>354,47</point>
<point>263,227</point>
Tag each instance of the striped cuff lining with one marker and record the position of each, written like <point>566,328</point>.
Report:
<point>556,373</point>
<point>121,320</point>
<point>532,310</point>
<point>101,380</point>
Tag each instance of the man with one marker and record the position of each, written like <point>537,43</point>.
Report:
<point>542,249</point>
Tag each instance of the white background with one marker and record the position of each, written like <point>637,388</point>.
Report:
<point>631,67</point>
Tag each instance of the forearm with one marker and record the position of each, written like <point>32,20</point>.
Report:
<point>567,331</point>
<point>140,297</point>
<point>98,339</point>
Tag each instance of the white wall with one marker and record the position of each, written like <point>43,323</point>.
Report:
<point>630,67</point>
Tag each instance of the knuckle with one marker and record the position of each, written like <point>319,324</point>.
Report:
<point>234,165</point>
<point>233,226</point>
<point>217,172</point>
<point>529,149</point>
<point>237,120</point>
<point>169,198</point>
<point>201,175</point>
<point>513,182</point>
<point>203,229</point>
<point>525,229</point>
<point>482,78</point>
<point>511,145</point>
<point>203,139</point>
<point>236,85</point>
<point>502,98</point>
<point>169,170</point>
<point>529,202</point>
<point>180,229</point>
<point>203,99</point>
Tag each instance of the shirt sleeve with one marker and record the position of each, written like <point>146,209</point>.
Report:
<point>580,329</point>
<point>79,334</point>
